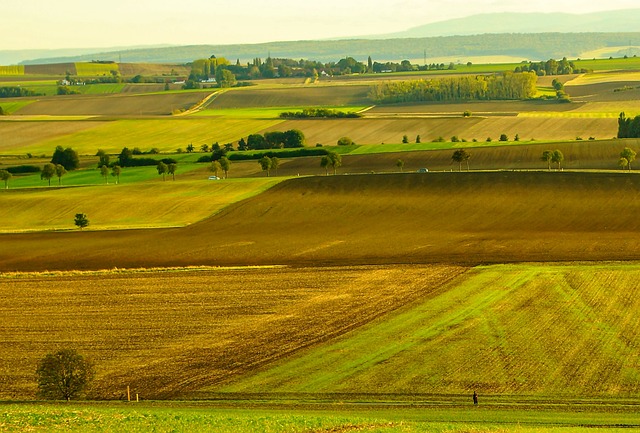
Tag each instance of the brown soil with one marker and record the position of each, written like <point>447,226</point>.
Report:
<point>169,334</point>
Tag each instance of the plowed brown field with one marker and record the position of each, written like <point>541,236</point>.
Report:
<point>375,219</point>
<point>169,334</point>
<point>113,105</point>
<point>293,97</point>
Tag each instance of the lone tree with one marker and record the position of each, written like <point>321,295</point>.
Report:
<point>48,171</point>
<point>81,220</point>
<point>5,176</point>
<point>225,164</point>
<point>215,167</point>
<point>275,163</point>
<point>629,155</point>
<point>171,169</point>
<point>557,157</point>
<point>265,162</point>
<point>63,375</point>
<point>103,158</point>
<point>331,159</point>
<point>461,156</point>
<point>162,169</point>
<point>104,172</point>
<point>400,164</point>
<point>546,157</point>
<point>60,171</point>
<point>115,172</point>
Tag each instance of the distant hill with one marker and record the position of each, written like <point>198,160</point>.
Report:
<point>13,57</point>
<point>534,46</point>
<point>608,22</point>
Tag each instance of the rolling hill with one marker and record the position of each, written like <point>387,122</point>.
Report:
<point>469,218</point>
<point>624,20</point>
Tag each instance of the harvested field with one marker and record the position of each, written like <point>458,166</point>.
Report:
<point>582,155</point>
<point>114,105</point>
<point>154,69</point>
<point>477,108</point>
<point>392,128</point>
<point>18,136</point>
<point>168,334</point>
<point>51,69</point>
<point>293,97</point>
<point>375,219</point>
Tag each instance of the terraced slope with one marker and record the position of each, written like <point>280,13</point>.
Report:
<point>375,219</point>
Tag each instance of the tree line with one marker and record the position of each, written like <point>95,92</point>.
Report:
<point>505,86</point>
<point>628,127</point>
<point>551,67</point>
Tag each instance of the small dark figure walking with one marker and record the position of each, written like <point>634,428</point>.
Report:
<point>475,398</point>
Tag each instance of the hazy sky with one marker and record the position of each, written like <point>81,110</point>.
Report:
<point>47,24</point>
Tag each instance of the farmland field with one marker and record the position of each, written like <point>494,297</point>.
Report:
<point>371,301</point>
<point>113,105</point>
<point>143,204</point>
<point>391,218</point>
<point>510,312</point>
<point>168,334</point>
<point>165,134</point>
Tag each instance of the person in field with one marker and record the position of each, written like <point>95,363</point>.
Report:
<point>475,398</point>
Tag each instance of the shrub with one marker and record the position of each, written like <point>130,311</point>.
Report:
<point>23,169</point>
<point>345,141</point>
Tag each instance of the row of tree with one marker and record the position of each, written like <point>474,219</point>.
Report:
<point>273,140</point>
<point>505,86</point>
<point>551,67</point>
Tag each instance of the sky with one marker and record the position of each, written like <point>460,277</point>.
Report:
<point>47,24</point>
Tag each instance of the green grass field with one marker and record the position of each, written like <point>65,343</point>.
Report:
<point>13,106</point>
<point>183,417</point>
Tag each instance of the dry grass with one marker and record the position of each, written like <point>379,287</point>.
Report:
<point>172,333</point>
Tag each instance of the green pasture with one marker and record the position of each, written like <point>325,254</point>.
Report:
<point>492,330</point>
<point>631,63</point>
<point>266,112</point>
<point>13,106</point>
<point>165,134</point>
<point>292,417</point>
<point>141,199</point>
<point>89,177</point>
